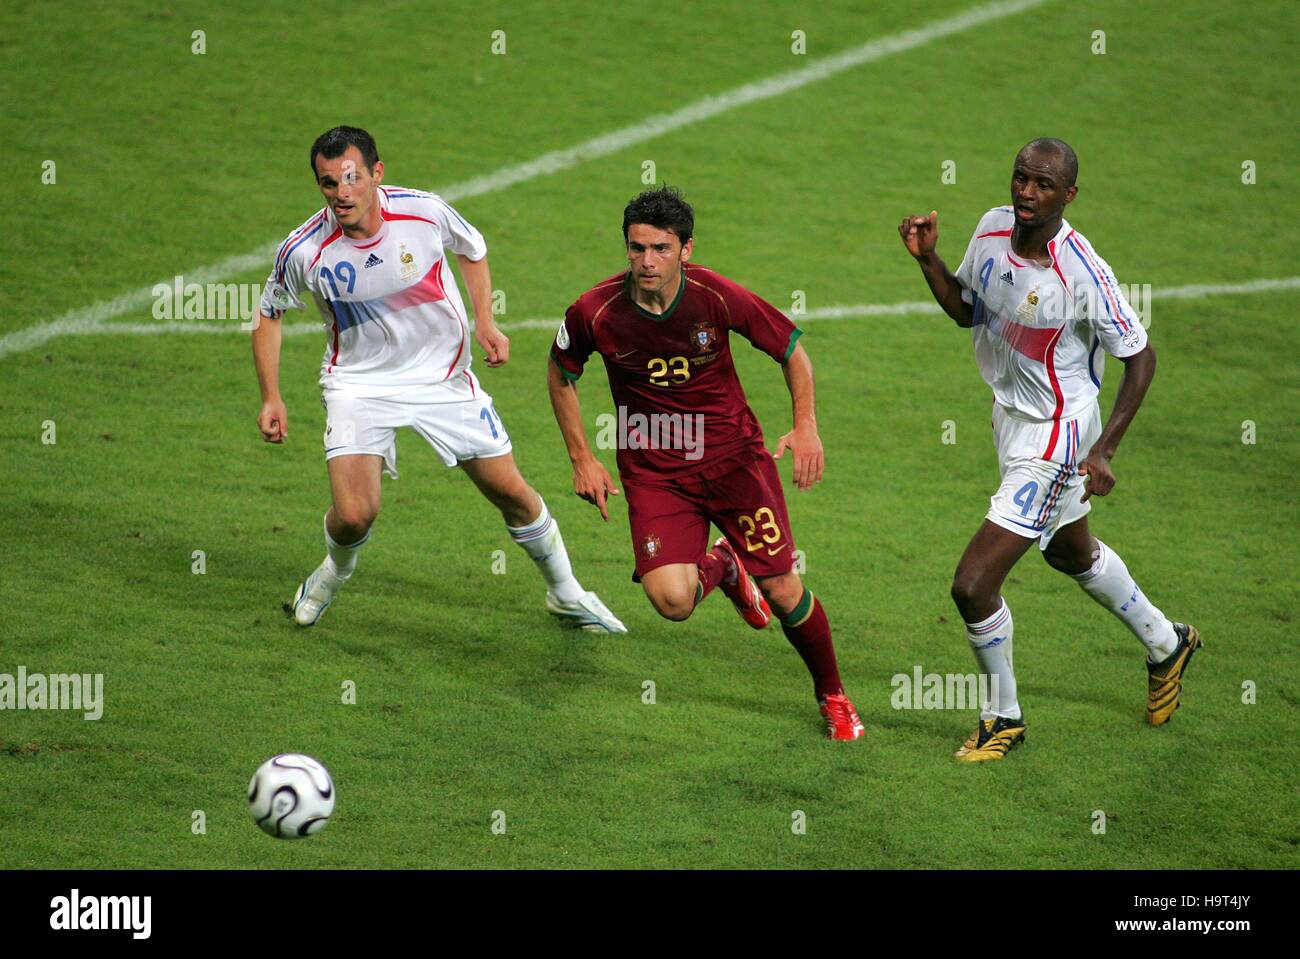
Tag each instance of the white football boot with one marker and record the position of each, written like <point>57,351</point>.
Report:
<point>587,611</point>
<point>315,595</point>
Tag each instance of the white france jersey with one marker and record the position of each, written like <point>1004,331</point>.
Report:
<point>1039,331</point>
<point>393,315</point>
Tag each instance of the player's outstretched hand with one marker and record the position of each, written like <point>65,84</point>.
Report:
<point>273,421</point>
<point>495,343</point>
<point>1100,479</point>
<point>920,233</point>
<point>809,457</point>
<point>593,483</point>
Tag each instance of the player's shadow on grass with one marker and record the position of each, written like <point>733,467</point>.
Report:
<point>517,648</point>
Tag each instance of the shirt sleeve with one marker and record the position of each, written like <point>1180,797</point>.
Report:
<point>760,322</point>
<point>572,344</point>
<point>283,289</point>
<point>457,234</point>
<point>1105,307</point>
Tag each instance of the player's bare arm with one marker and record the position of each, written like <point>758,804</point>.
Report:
<point>591,480</point>
<point>803,440</point>
<point>478,282</point>
<point>1139,370</point>
<point>273,420</point>
<point>920,235</point>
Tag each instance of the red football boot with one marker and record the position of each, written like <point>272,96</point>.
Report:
<point>841,718</point>
<point>742,590</point>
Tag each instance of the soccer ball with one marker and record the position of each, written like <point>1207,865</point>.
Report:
<point>291,796</point>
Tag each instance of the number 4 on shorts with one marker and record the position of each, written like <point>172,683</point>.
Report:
<point>1024,497</point>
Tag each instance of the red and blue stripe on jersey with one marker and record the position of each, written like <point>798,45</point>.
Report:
<point>1101,279</point>
<point>395,193</point>
<point>295,240</point>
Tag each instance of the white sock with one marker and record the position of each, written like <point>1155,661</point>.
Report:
<point>342,560</point>
<point>542,541</point>
<point>990,640</point>
<point>1109,583</point>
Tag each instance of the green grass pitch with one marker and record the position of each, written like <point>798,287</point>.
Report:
<point>469,699</point>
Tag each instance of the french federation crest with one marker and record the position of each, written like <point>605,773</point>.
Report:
<point>703,335</point>
<point>409,267</point>
<point>1027,312</point>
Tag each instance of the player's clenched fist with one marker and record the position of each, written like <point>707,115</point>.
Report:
<point>496,345</point>
<point>1100,479</point>
<point>920,233</point>
<point>592,482</point>
<point>273,421</point>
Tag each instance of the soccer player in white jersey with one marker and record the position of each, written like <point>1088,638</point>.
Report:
<point>1042,308</point>
<point>397,353</point>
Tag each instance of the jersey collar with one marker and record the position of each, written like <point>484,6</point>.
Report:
<point>380,235</point>
<point>657,317</point>
<point>1063,232</point>
<point>1054,244</point>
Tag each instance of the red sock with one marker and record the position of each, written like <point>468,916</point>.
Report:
<point>809,633</point>
<point>712,568</point>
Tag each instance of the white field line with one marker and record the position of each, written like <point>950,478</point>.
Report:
<point>87,319</point>
<point>853,311</point>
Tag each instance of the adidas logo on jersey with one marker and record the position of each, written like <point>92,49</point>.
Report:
<point>372,261</point>
<point>1005,277</point>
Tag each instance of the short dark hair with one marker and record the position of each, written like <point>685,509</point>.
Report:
<point>1069,160</point>
<point>334,143</point>
<point>663,208</point>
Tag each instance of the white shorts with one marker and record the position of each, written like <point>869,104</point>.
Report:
<point>457,419</point>
<point>1040,495</point>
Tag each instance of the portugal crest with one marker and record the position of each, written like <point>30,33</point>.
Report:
<point>651,546</point>
<point>703,335</point>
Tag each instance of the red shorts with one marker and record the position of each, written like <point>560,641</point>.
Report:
<point>670,519</point>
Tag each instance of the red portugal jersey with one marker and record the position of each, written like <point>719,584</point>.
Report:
<point>680,408</point>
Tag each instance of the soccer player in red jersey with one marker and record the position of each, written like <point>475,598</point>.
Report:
<point>690,450</point>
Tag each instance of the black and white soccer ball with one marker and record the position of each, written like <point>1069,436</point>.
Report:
<point>291,796</point>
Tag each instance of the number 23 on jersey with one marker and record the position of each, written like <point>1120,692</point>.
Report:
<point>669,372</point>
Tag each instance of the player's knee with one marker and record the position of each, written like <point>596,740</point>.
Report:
<point>1069,563</point>
<point>520,504</point>
<point>515,499</point>
<point>783,593</point>
<point>355,517</point>
<point>673,609</point>
<point>676,604</point>
<point>968,593</point>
